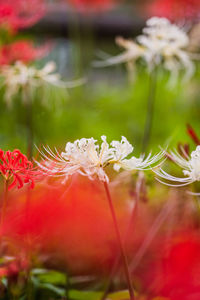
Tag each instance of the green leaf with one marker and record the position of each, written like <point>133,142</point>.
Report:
<point>84,295</point>
<point>4,281</point>
<point>121,295</point>
<point>57,290</point>
<point>47,286</point>
<point>50,276</point>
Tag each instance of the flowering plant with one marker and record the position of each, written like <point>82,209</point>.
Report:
<point>15,167</point>
<point>161,43</point>
<point>20,13</point>
<point>86,157</point>
<point>19,76</point>
<point>21,50</point>
<point>189,164</point>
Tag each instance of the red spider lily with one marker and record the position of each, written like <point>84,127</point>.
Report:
<point>88,6</point>
<point>6,15</point>
<point>191,132</point>
<point>174,9</point>
<point>15,167</point>
<point>21,51</point>
<point>174,275</point>
<point>21,13</point>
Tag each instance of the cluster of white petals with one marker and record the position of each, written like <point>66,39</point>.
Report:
<point>161,42</point>
<point>190,166</point>
<point>166,43</point>
<point>20,75</point>
<point>88,158</point>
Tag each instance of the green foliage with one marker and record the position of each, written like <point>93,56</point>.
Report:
<point>103,108</point>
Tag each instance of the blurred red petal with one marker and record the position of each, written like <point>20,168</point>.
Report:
<point>22,51</point>
<point>174,9</point>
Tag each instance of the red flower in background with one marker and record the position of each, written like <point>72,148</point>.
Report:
<point>191,132</point>
<point>15,167</point>
<point>16,14</point>
<point>21,51</point>
<point>88,6</point>
<point>71,221</point>
<point>174,274</point>
<point>174,9</point>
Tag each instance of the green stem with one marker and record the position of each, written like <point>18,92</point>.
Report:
<point>29,121</point>
<point>67,286</point>
<point>195,189</point>
<point>28,244</point>
<point>29,286</point>
<point>117,260</point>
<point>150,110</point>
<point>87,43</point>
<point>119,239</point>
<point>75,36</point>
<point>5,198</point>
<point>197,203</point>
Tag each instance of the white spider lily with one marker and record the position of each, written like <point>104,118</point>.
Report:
<point>161,43</point>
<point>167,43</point>
<point>132,53</point>
<point>88,158</point>
<point>190,166</point>
<point>140,163</point>
<point>53,164</point>
<point>122,149</point>
<point>20,75</point>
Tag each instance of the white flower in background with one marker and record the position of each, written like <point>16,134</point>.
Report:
<point>161,43</point>
<point>88,158</point>
<point>166,43</point>
<point>20,75</point>
<point>190,166</point>
<point>132,53</point>
<point>140,163</point>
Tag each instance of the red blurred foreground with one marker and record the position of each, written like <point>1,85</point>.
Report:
<point>71,226</point>
<point>72,222</point>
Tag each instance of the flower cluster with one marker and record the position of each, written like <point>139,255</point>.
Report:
<point>190,166</point>
<point>23,51</point>
<point>20,13</point>
<point>19,76</point>
<point>161,43</point>
<point>166,42</point>
<point>17,169</point>
<point>88,158</point>
<point>15,15</point>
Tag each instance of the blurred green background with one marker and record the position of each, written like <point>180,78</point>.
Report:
<point>107,104</point>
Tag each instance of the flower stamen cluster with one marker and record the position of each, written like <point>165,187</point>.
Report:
<point>88,158</point>
<point>19,76</point>
<point>190,167</point>
<point>16,169</point>
<point>161,43</point>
